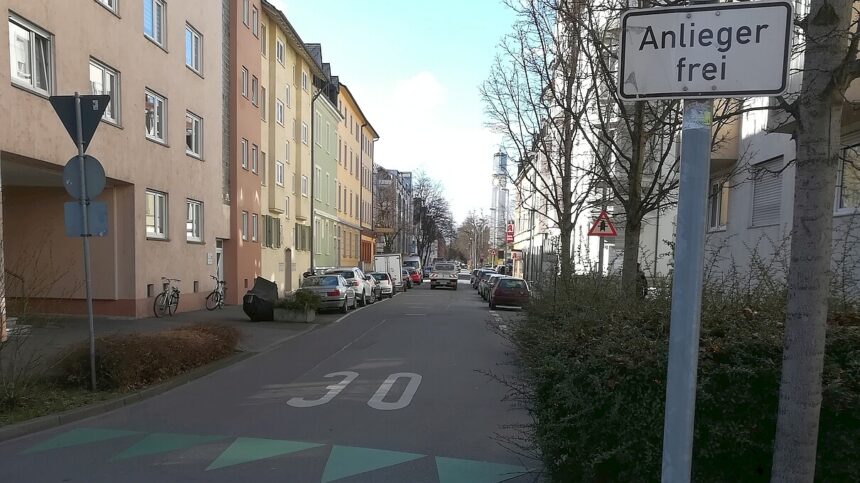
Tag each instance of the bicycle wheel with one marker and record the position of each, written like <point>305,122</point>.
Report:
<point>213,300</point>
<point>159,307</point>
<point>173,303</point>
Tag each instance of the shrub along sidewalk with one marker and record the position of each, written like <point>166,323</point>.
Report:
<point>595,365</point>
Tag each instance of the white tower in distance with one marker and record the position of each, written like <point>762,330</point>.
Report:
<point>500,201</point>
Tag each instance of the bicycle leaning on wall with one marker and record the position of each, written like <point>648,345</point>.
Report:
<point>215,299</point>
<point>167,301</point>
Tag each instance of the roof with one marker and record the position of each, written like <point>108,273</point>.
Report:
<point>360,112</point>
<point>293,37</point>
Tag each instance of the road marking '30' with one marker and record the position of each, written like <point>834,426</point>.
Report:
<point>376,401</point>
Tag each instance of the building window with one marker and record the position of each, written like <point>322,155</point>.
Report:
<point>317,183</point>
<point>193,49</point>
<point>193,135</point>
<point>263,104</point>
<point>304,185</point>
<point>263,168</point>
<point>255,86</point>
<point>244,82</point>
<point>289,97</point>
<point>110,4</point>
<point>105,81</point>
<point>156,214</point>
<point>255,21</point>
<point>279,51</point>
<point>245,7</point>
<point>848,180</point>
<point>156,116</point>
<point>279,173</point>
<point>317,126</point>
<point>287,207</point>
<point>244,153</point>
<point>718,205</point>
<point>294,183</point>
<point>767,191</point>
<point>279,112</point>
<point>304,81</point>
<point>254,227</point>
<point>30,56</point>
<point>287,157</point>
<point>304,133</point>
<point>263,39</point>
<point>254,159</point>
<point>153,20</point>
<point>193,220</point>
<point>245,225</point>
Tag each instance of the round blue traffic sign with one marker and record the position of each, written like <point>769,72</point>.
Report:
<point>94,174</point>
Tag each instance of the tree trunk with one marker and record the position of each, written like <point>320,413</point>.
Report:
<point>566,229</point>
<point>818,140</point>
<point>633,206</point>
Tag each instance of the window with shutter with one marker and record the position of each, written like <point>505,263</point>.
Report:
<point>767,191</point>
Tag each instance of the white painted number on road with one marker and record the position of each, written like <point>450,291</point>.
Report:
<point>333,390</point>
<point>376,402</point>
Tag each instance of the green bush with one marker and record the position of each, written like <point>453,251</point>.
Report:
<point>596,365</point>
<point>301,300</point>
<point>133,361</point>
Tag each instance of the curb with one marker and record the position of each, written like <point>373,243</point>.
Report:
<point>24,428</point>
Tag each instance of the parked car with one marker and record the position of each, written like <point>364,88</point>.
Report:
<point>377,288</point>
<point>427,271</point>
<point>482,274</point>
<point>363,287</point>
<point>415,276</point>
<point>386,284</point>
<point>510,291</point>
<point>488,283</point>
<point>407,279</point>
<point>334,291</point>
<point>444,275</point>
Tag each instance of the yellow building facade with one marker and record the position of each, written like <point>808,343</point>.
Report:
<point>286,90</point>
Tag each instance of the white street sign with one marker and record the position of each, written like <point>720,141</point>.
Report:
<point>717,50</point>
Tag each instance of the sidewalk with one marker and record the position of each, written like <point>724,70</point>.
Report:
<point>40,339</point>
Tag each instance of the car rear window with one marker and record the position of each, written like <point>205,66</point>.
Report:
<point>320,282</point>
<point>380,276</point>
<point>444,267</point>
<point>513,284</point>
<point>345,274</point>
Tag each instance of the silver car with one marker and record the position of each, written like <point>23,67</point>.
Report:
<point>334,290</point>
<point>385,283</point>
<point>361,283</point>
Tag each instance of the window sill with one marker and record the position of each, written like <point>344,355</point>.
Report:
<point>155,43</point>
<point>116,124</point>
<point>31,90</point>
<point>846,212</point>
<point>112,11</point>
<point>195,242</point>
<point>194,156</point>
<point>764,226</point>
<point>158,141</point>
<point>157,238</point>
<point>197,72</point>
<point>717,229</point>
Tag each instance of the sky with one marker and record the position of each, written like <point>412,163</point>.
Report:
<point>415,67</point>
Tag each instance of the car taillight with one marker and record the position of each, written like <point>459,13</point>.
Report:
<point>333,293</point>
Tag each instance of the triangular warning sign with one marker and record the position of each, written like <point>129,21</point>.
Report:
<point>92,108</point>
<point>602,226</point>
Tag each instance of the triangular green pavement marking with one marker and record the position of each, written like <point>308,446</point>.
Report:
<point>244,450</point>
<point>164,442</point>
<point>77,437</point>
<point>347,461</point>
<point>453,470</point>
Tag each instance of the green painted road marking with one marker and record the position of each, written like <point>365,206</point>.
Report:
<point>77,437</point>
<point>245,450</point>
<point>454,470</point>
<point>164,442</point>
<point>348,461</point>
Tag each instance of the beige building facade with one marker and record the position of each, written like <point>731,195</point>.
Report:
<point>160,142</point>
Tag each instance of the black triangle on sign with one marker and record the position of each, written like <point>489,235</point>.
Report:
<point>92,109</point>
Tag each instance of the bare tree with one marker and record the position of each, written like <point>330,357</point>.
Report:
<point>473,236</point>
<point>432,215</point>
<point>830,64</point>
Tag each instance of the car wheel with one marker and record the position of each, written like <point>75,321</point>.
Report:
<point>354,302</point>
<point>345,308</point>
<point>363,300</point>
<point>492,305</point>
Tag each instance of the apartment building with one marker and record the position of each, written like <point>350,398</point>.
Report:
<point>349,177</point>
<point>161,63</point>
<point>242,249</point>
<point>393,211</point>
<point>286,124</point>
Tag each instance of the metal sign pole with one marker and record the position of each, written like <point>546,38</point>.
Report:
<point>85,201</point>
<point>687,291</point>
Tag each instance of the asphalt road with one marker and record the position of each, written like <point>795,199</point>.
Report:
<point>394,392</point>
